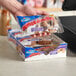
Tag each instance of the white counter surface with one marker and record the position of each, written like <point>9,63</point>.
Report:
<point>11,64</point>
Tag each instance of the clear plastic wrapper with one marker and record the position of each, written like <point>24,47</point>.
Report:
<point>33,25</point>
<point>36,37</point>
<point>30,40</point>
<point>38,48</point>
<point>43,44</point>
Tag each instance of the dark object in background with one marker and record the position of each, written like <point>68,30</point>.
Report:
<point>69,35</point>
<point>69,5</point>
<point>54,1</point>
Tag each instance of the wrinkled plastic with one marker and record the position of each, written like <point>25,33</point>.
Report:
<point>40,24</point>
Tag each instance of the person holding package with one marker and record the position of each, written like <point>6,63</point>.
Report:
<point>17,9</point>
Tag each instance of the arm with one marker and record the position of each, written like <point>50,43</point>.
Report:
<point>17,9</point>
<point>12,5</point>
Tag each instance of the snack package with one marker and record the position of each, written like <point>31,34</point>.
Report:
<point>35,25</point>
<point>23,1</point>
<point>37,48</point>
<point>35,40</point>
<point>30,40</point>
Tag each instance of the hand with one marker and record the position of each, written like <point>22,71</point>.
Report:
<point>26,10</point>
